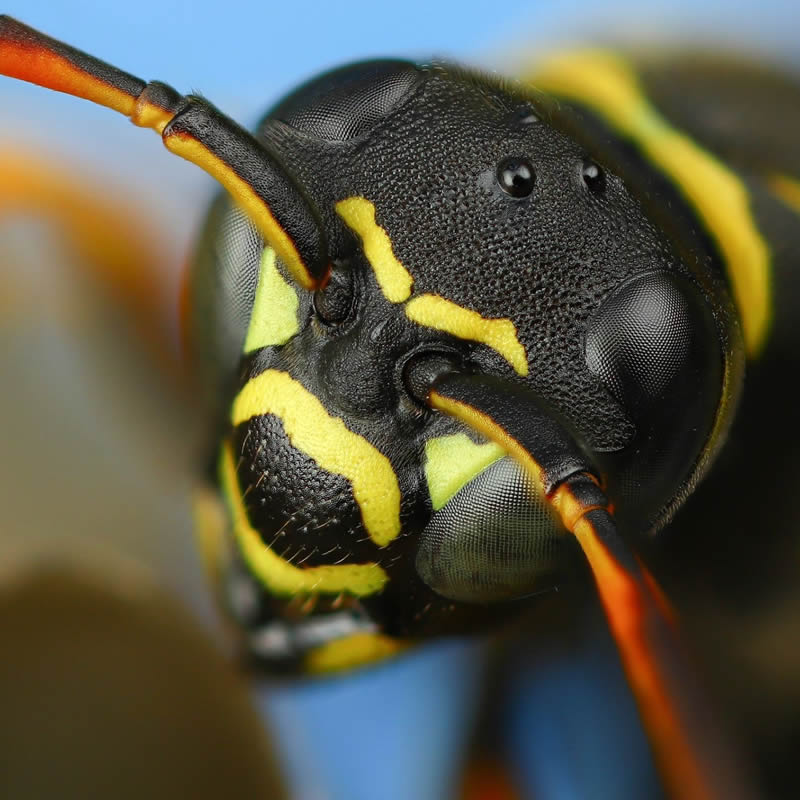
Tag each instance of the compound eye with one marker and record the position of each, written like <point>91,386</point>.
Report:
<point>222,288</point>
<point>495,540</point>
<point>516,176</point>
<point>349,102</point>
<point>334,302</point>
<point>647,336</point>
<point>654,343</point>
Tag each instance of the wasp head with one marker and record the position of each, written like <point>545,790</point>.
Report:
<point>466,229</point>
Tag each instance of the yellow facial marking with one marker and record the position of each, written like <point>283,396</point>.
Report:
<point>352,651</point>
<point>393,278</point>
<point>788,189</point>
<point>484,424</point>
<point>274,319</point>
<point>605,83</point>
<point>277,575</point>
<point>430,310</point>
<point>453,461</point>
<point>499,334</point>
<point>334,448</point>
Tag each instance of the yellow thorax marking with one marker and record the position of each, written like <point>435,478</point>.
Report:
<point>788,189</point>
<point>607,84</point>
<point>274,318</point>
<point>393,278</point>
<point>334,447</point>
<point>444,315</point>
<point>453,461</point>
<point>277,575</point>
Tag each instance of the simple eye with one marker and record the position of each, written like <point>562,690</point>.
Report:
<point>516,176</point>
<point>524,115</point>
<point>593,176</point>
<point>334,302</point>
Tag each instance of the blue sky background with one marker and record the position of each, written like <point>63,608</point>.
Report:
<point>415,713</point>
<point>244,55</point>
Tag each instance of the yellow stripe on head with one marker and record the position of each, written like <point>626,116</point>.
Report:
<point>484,424</point>
<point>276,574</point>
<point>605,83</point>
<point>393,278</point>
<point>433,311</point>
<point>334,447</point>
<point>274,320</point>
<point>244,196</point>
<point>453,461</point>
<point>429,310</point>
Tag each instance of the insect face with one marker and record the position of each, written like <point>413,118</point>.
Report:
<point>463,226</point>
<point>556,279</point>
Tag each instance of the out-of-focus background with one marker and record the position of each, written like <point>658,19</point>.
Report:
<point>102,595</point>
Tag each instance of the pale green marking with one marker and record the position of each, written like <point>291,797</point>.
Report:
<point>274,318</point>
<point>453,461</point>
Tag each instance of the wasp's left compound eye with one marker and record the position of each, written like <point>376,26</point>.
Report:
<point>516,176</point>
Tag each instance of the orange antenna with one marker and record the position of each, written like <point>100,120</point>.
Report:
<point>694,759</point>
<point>191,128</point>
